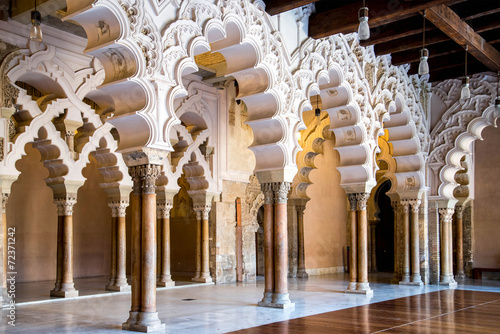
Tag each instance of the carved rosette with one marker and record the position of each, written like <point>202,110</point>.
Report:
<point>202,211</point>
<point>65,206</point>
<point>415,204</point>
<point>446,215</point>
<point>361,199</point>
<point>164,210</point>
<point>352,202</point>
<point>118,208</point>
<point>267,189</point>
<point>281,190</point>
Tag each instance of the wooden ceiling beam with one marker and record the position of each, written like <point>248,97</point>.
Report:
<point>451,24</point>
<point>456,72</point>
<point>409,43</point>
<point>274,7</point>
<point>345,19</point>
<point>413,55</point>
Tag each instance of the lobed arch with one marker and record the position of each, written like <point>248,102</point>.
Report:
<point>458,128</point>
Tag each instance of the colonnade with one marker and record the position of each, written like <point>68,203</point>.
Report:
<point>411,242</point>
<point>445,218</point>
<point>202,243</point>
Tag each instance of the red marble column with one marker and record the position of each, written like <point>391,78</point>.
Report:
<point>164,237</point>
<point>118,279</point>
<point>446,272</point>
<point>64,286</point>
<point>268,244</point>
<point>459,209</point>
<point>144,251</point>
<point>353,251</point>
<point>405,275</point>
<point>416,279</point>
<point>363,286</point>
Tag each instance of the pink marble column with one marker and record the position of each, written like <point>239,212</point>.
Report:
<point>459,209</point>
<point>373,245</point>
<point>203,212</point>
<point>363,286</point>
<point>118,279</point>
<point>64,286</point>
<point>165,278</point>
<point>146,319</point>
<point>268,244</point>
<point>301,266</point>
<point>280,297</point>
<point>446,215</point>
<point>353,251</point>
<point>405,210</point>
<point>416,279</point>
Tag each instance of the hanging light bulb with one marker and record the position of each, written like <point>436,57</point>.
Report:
<point>423,67</point>
<point>36,30</point>
<point>317,111</point>
<point>364,28</point>
<point>465,94</point>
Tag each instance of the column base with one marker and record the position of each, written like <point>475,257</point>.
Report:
<point>451,285</point>
<point>267,299</point>
<point>351,287</point>
<point>64,293</point>
<point>412,283</point>
<point>118,287</point>
<point>460,275</point>
<point>368,292</point>
<point>202,279</point>
<point>282,304</point>
<point>302,274</point>
<point>165,284</point>
<point>405,279</point>
<point>145,322</point>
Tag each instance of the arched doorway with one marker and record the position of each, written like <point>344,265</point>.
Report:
<point>385,229</point>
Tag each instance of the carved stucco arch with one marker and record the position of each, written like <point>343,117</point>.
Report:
<point>458,128</point>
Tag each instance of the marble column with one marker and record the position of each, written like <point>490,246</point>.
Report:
<point>405,272</point>
<point>446,215</point>
<point>118,278</point>
<point>301,265</point>
<point>268,225</point>
<point>203,212</point>
<point>396,278</point>
<point>165,278</point>
<point>280,297</point>
<point>64,286</point>
<point>459,209</point>
<point>198,245</point>
<point>353,253</point>
<point>373,245</point>
<point>363,286</point>
<point>416,278</point>
<point>143,315</point>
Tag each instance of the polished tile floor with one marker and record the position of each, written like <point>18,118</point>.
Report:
<point>199,308</point>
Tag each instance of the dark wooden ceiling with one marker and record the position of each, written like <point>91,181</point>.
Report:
<point>396,28</point>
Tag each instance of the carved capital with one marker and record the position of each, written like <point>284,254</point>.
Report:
<point>353,203</point>
<point>395,206</point>
<point>5,199</point>
<point>300,209</point>
<point>164,210</point>
<point>65,206</point>
<point>118,208</point>
<point>267,189</point>
<point>147,174</point>
<point>415,204</point>
<point>281,190</point>
<point>202,211</point>
<point>362,198</point>
<point>446,215</point>
<point>404,205</point>
<point>459,210</point>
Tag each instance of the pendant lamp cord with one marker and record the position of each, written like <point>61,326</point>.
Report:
<point>466,49</point>
<point>423,42</point>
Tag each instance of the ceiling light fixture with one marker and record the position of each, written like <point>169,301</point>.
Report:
<point>36,30</point>
<point>423,67</point>
<point>317,111</point>
<point>364,28</point>
<point>465,94</point>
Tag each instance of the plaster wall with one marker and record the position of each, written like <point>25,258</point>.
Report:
<point>325,216</point>
<point>487,211</point>
<point>31,211</point>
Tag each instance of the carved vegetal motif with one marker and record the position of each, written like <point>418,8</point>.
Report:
<point>344,115</point>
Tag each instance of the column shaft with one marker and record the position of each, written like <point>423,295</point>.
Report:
<point>67,264</point>
<point>121,276</point>
<point>148,297</point>
<point>135,251</point>
<point>405,278</point>
<point>301,272</point>
<point>460,242</point>
<point>198,245</point>
<point>164,233</point>
<point>112,277</point>
<point>373,234</point>
<point>205,271</point>
<point>446,271</point>
<point>268,244</point>
<point>415,243</point>
<point>353,251</point>
<point>363,286</point>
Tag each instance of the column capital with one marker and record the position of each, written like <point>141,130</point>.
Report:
<point>148,175</point>
<point>118,208</point>
<point>267,189</point>
<point>415,204</point>
<point>5,199</point>
<point>281,190</point>
<point>404,205</point>
<point>395,205</point>
<point>362,198</point>
<point>65,205</point>
<point>164,209</point>
<point>446,214</point>
<point>202,210</point>
<point>459,210</point>
<point>353,203</point>
<point>300,208</point>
